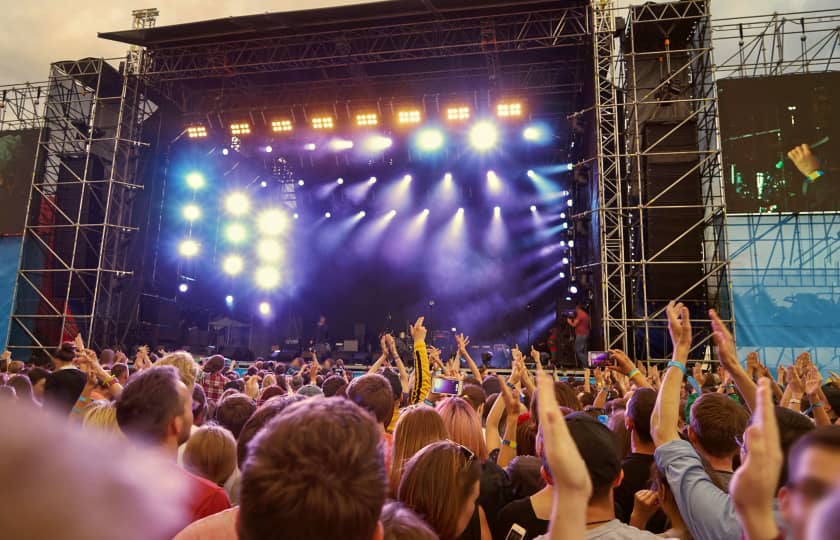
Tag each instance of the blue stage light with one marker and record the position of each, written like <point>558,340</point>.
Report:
<point>340,181</point>
<point>233,265</point>
<point>430,139</point>
<point>265,308</point>
<point>191,212</point>
<point>183,287</point>
<point>267,277</point>
<point>573,289</point>
<point>531,174</point>
<point>236,233</point>
<point>229,299</point>
<point>237,204</point>
<point>328,215</point>
<point>533,208</point>
<point>188,248</point>
<point>483,136</point>
<point>195,180</point>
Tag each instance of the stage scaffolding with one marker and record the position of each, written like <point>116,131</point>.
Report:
<point>629,300</point>
<point>74,254</point>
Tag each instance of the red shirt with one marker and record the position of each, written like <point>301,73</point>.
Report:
<point>205,497</point>
<point>214,385</point>
<point>582,328</point>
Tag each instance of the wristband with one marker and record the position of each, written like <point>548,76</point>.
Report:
<point>694,384</point>
<point>795,401</point>
<point>633,373</point>
<point>816,404</point>
<point>814,175</point>
<point>512,444</point>
<point>680,365</point>
<point>510,385</point>
<point>83,399</point>
<point>429,403</point>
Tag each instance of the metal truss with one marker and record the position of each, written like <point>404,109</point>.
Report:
<point>22,106</point>
<point>778,44</point>
<point>630,307</point>
<point>79,218</point>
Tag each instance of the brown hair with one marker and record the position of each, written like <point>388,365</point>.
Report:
<point>716,420</point>
<point>416,427</point>
<point>474,395</point>
<point>149,402</point>
<point>211,453</point>
<point>258,420</point>
<point>314,472</point>
<point>825,437</point>
<point>269,392</point>
<point>234,411</point>
<point>436,484</point>
<point>526,438</point>
<point>639,409</point>
<point>463,425</point>
<point>66,352</point>
<point>401,523</point>
<point>373,392</point>
<point>565,395</point>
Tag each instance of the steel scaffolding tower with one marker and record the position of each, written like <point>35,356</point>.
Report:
<point>631,250</point>
<point>78,223</point>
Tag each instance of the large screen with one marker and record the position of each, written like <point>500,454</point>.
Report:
<point>762,119</point>
<point>17,160</point>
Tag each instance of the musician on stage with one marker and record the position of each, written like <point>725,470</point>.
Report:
<point>581,325</point>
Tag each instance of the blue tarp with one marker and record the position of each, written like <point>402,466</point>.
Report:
<point>9,255</point>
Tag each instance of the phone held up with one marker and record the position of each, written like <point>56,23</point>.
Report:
<point>445,386</point>
<point>599,359</point>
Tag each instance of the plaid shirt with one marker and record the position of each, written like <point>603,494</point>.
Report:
<point>214,385</point>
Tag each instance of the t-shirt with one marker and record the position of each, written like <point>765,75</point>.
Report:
<point>494,491</point>
<point>636,469</point>
<point>220,526</point>
<point>205,498</point>
<point>615,530</point>
<point>63,387</point>
<point>521,513</point>
<point>582,328</point>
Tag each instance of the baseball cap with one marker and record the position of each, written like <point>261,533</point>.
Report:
<point>310,390</point>
<point>597,445</point>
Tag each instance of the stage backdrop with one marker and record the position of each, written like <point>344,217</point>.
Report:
<point>786,283</point>
<point>9,254</point>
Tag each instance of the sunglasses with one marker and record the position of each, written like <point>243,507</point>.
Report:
<point>468,454</point>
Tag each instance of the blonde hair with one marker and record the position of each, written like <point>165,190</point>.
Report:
<point>269,380</point>
<point>102,416</point>
<point>416,427</point>
<point>211,453</point>
<point>184,363</point>
<point>463,424</point>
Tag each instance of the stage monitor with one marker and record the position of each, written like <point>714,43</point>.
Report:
<point>762,119</point>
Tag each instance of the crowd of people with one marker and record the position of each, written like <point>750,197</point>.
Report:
<point>167,446</point>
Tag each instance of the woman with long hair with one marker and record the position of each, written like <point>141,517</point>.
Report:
<point>441,484</point>
<point>417,426</point>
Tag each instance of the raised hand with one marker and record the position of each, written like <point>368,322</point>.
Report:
<point>623,364</point>
<point>813,381</point>
<point>511,401</point>
<point>795,381</point>
<point>535,355</point>
<point>697,372</point>
<point>804,159</point>
<point>418,331</point>
<point>645,504</point>
<point>462,341</point>
<point>679,325</point>
<point>725,343</point>
<point>516,354</point>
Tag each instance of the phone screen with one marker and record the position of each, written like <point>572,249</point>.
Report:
<point>600,359</point>
<point>515,533</point>
<point>442,385</point>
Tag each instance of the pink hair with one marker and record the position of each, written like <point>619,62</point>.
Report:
<point>463,424</point>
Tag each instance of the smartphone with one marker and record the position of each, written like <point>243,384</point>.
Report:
<point>600,359</point>
<point>447,387</point>
<point>515,533</point>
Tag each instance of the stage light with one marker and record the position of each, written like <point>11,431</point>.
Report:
<point>233,265</point>
<point>532,133</point>
<point>301,183</point>
<point>565,226</point>
<point>240,128</point>
<point>323,122</point>
<point>328,215</point>
<point>195,180</point>
<point>263,184</point>
<point>188,248</point>
<point>430,139</point>
<point>483,136</point>
<point>408,116</point>
<point>296,215</point>
<point>407,178</point>
<point>191,212</point>
<point>565,260</point>
<point>272,222</point>
<point>269,149</point>
<point>377,143</point>
<point>197,131</point>
<point>362,214</point>
<point>460,212</point>
<point>569,203</point>
<point>531,174</point>
<point>392,213</point>
<point>562,215</point>
<point>225,151</point>
<point>367,119</point>
<point>497,211</point>
<point>269,250</point>
<point>573,289</point>
<point>183,287</point>
<point>533,208</point>
<point>340,181</point>
<point>571,243</point>
<point>337,145</point>
<point>237,204</point>
<point>236,233</point>
<point>265,308</point>
<point>372,180</point>
<point>570,166</point>
<point>561,275</point>
<point>309,147</point>
<point>426,211</point>
<point>458,113</point>
<point>509,110</point>
<point>229,299</point>
<point>281,126</point>
<point>494,185</point>
<point>454,329</point>
<point>562,243</point>
<point>447,177</point>
<point>267,277</point>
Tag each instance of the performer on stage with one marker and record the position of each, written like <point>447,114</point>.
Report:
<point>322,338</point>
<point>581,325</point>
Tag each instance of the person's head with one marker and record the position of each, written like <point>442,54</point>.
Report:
<point>332,384</point>
<point>310,391</point>
<point>214,364</point>
<point>792,426</point>
<point>617,424</point>
<point>416,427</point>
<point>268,411</point>
<point>597,445</point>
<point>315,471</point>
<point>156,407</point>
<point>7,394</point>
<point>394,380</point>
<point>16,366</point>
<point>526,438</point>
<point>825,521</point>
<point>22,386</point>
<point>402,523</point>
<point>463,425</point>
<point>322,320</point>
<point>716,422</point>
<point>199,405</point>
<point>637,414</point>
<point>373,392</point>
<point>102,416</point>
<point>475,396</point>
<point>106,357</point>
<point>120,371</point>
<point>566,398</point>
<point>233,411</point>
<point>269,392</point>
<point>64,354</point>
<point>813,472</point>
<point>832,398</point>
<point>440,483</point>
<point>491,385</point>
<point>184,363</point>
<point>38,378</point>
<point>211,453</point>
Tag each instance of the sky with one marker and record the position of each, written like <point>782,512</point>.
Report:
<point>38,32</point>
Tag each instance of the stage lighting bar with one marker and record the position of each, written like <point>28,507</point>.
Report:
<point>281,126</point>
<point>509,110</point>
<point>367,119</point>
<point>197,131</point>
<point>238,129</point>
<point>323,122</point>
<point>457,114</point>
<point>411,116</point>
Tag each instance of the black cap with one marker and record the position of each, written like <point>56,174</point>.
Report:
<point>597,445</point>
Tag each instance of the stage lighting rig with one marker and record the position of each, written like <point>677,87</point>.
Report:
<point>458,114</point>
<point>191,212</point>
<point>233,265</point>
<point>197,131</point>
<point>484,136</point>
<point>281,126</point>
<point>367,119</point>
<point>509,110</point>
<point>239,129</point>
<point>188,248</point>
<point>323,122</point>
<point>409,116</point>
